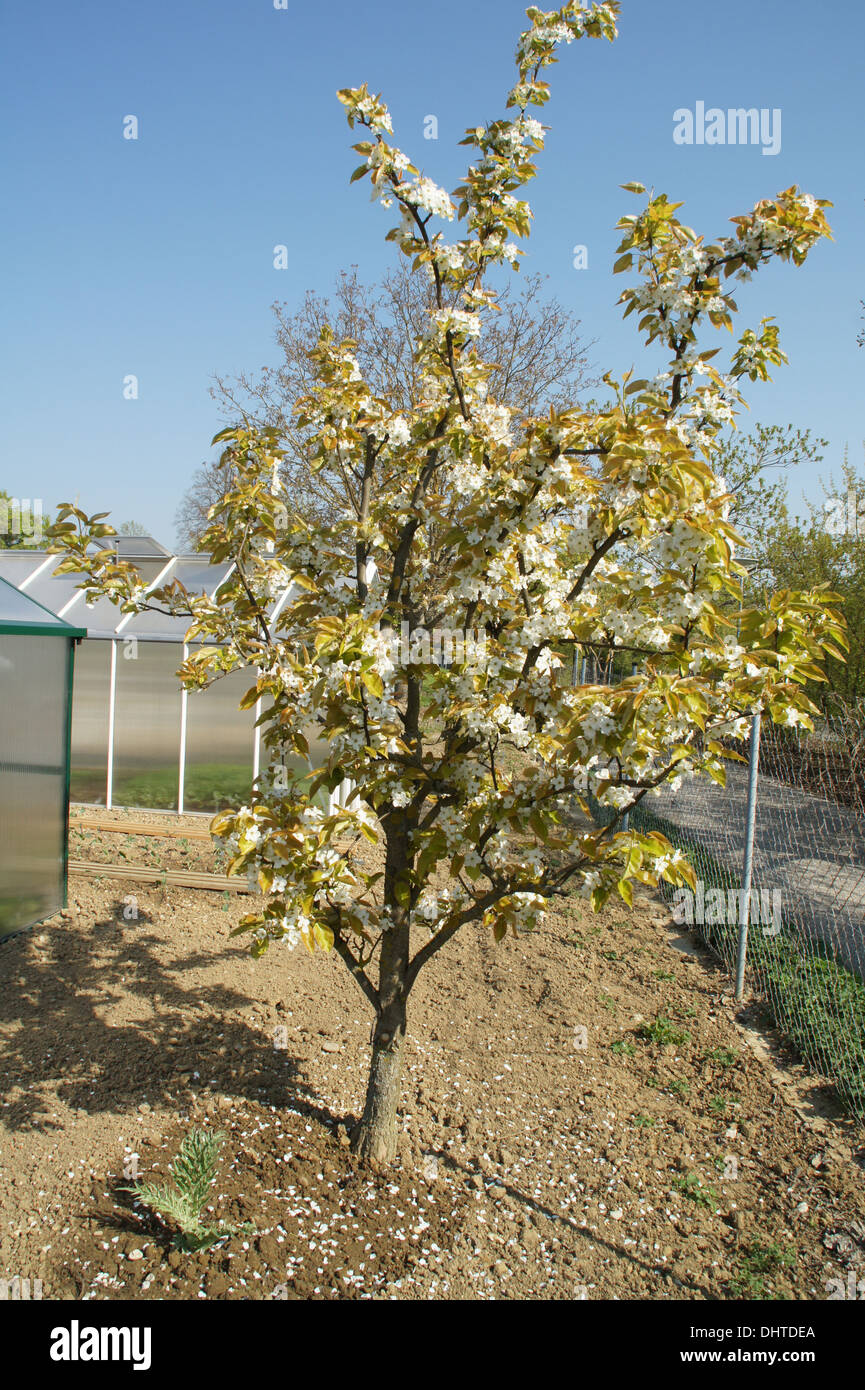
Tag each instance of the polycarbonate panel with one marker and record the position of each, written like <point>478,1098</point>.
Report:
<point>16,607</point>
<point>134,547</point>
<point>90,701</point>
<point>33,676</point>
<point>16,565</point>
<point>147,724</point>
<point>197,575</point>
<point>219,745</point>
<point>55,591</point>
<point>104,615</point>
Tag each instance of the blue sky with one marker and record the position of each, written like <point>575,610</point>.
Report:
<point>154,257</point>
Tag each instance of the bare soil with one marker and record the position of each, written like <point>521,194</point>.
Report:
<point>550,1148</point>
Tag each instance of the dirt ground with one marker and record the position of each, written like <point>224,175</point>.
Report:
<point>586,1114</point>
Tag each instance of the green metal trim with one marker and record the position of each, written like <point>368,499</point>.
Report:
<point>57,629</point>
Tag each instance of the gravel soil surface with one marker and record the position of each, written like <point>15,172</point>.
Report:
<point>586,1113</point>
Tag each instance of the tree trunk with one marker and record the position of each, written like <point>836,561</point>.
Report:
<point>375,1136</point>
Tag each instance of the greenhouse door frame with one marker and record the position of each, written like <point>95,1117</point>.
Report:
<point>70,680</point>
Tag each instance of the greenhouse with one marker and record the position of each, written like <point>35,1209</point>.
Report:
<point>36,665</point>
<point>138,738</point>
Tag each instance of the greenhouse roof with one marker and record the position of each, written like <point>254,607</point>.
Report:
<point>32,574</point>
<point>22,615</point>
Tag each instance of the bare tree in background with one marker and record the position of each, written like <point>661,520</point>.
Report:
<point>209,483</point>
<point>541,359</point>
<point>757,466</point>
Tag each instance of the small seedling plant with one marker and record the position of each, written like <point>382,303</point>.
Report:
<point>698,1192</point>
<point>193,1172</point>
<point>662,1030</point>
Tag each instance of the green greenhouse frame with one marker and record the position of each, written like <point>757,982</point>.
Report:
<point>37,655</point>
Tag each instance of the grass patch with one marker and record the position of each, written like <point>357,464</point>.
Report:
<point>723,1056</point>
<point>664,1032</point>
<point>691,1186</point>
<point>757,1263</point>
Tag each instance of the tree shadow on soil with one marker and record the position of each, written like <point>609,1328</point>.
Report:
<point>190,1042</point>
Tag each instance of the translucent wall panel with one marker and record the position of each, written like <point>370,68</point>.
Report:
<point>147,724</point>
<point>33,678</point>
<point>219,745</point>
<point>90,722</point>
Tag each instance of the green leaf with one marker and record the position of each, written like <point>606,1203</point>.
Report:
<point>323,935</point>
<point>373,682</point>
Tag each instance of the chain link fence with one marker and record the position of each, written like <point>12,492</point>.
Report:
<point>806,938</point>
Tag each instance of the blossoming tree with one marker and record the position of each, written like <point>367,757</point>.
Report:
<point>605,528</point>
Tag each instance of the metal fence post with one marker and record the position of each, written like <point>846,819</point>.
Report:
<point>626,818</point>
<point>748,862</point>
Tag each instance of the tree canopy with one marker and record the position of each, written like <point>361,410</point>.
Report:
<point>423,633</point>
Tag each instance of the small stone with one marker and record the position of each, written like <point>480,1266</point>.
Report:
<point>144,1108</point>
<point>268,1249</point>
<point>135,1255</point>
<point>802,1208</point>
<point>331,1047</point>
